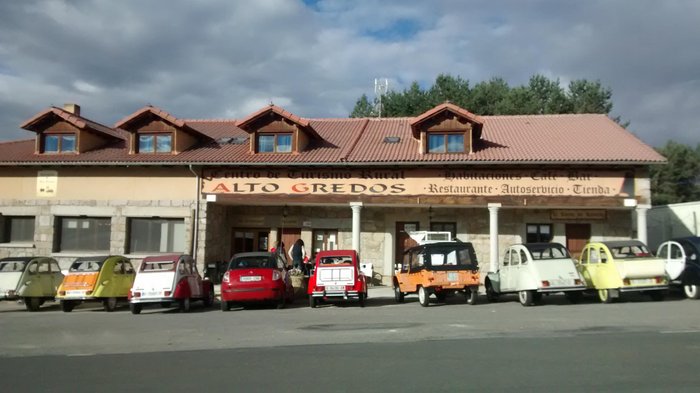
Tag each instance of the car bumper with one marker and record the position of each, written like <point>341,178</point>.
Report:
<point>644,288</point>
<point>147,300</point>
<point>337,294</point>
<point>561,289</point>
<point>258,294</point>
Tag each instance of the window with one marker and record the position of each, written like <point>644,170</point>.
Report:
<point>17,229</point>
<point>445,227</point>
<point>155,143</point>
<point>275,143</point>
<point>445,143</point>
<point>59,143</point>
<point>83,233</point>
<point>539,233</point>
<point>156,235</point>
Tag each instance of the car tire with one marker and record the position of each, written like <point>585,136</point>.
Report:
<point>32,303</point>
<point>282,302</point>
<point>526,298</point>
<point>472,297</point>
<point>67,305</point>
<point>225,306</point>
<point>209,300</point>
<point>605,296</point>
<point>185,304</point>
<point>361,299</point>
<point>398,295</point>
<point>691,291</point>
<point>657,296</point>
<point>441,297</point>
<point>135,308</point>
<point>423,297</point>
<point>491,293</point>
<point>110,304</point>
<point>312,301</point>
<point>573,297</point>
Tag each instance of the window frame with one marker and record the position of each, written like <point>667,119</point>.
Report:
<point>538,234</point>
<point>60,137</point>
<point>6,231</point>
<point>275,143</point>
<point>82,232</point>
<point>154,143</point>
<point>446,142</point>
<point>172,241</point>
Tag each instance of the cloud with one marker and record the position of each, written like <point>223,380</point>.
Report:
<point>218,58</point>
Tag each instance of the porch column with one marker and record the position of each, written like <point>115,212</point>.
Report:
<point>642,222</point>
<point>356,208</point>
<point>493,235</point>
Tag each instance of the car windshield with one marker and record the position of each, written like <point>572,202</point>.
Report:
<point>336,260</point>
<point>255,261</point>
<point>84,266</point>
<point>12,266</point>
<point>158,266</point>
<point>548,251</point>
<point>630,251</point>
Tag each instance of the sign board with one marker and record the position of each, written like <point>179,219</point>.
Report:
<point>46,184</point>
<point>579,214</point>
<point>410,182</point>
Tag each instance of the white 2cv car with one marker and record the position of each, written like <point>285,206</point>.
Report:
<point>533,269</point>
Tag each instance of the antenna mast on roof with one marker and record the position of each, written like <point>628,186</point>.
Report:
<point>381,86</point>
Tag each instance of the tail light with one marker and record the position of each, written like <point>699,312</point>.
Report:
<point>88,293</point>
<point>578,282</point>
<point>545,283</point>
<point>167,293</point>
<point>660,280</point>
<point>226,279</point>
<point>626,281</point>
<point>137,294</point>
<point>276,275</point>
<point>62,293</point>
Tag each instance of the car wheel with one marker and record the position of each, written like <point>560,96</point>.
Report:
<point>423,297</point>
<point>441,296</point>
<point>362,299</point>
<point>110,304</point>
<point>67,305</point>
<point>657,296</point>
<point>605,296</point>
<point>209,300</point>
<point>491,293</point>
<point>692,291</point>
<point>185,305</point>
<point>32,303</point>
<point>225,306</point>
<point>472,297</point>
<point>312,301</point>
<point>526,298</point>
<point>135,308</point>
<point>573,297</point>
<point>398,295</point>
<point>282,302</point>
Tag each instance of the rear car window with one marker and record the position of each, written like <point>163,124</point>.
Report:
<point>630,251</point>
<point>12,266</point>
<point>157,266</point>
<point>548,251</point>
<point>336,260</point>
<point>252,262</point>
<point>86,266</point>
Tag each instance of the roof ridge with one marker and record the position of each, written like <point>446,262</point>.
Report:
<point>219,120</point>
<point>16,141</point>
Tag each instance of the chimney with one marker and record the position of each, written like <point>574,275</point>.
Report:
<point>72,108</point>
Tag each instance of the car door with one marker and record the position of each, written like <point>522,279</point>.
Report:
<point>589,264</point>
<point>504,273</point>
<point>56,277</point>
<point>193,279</point>
<point>45,278</point>
<point>674,256</point>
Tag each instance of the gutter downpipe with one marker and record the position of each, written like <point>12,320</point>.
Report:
<point>195,229</point>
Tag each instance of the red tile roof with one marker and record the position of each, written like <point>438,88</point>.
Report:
<point>446,107</point>
<point>243,123</point>
<point>535,139</point>
<point>150,110</point>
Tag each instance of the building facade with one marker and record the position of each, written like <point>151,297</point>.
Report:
<point>154,183</point>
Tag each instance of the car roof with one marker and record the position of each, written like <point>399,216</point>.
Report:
<point>336,252</point>
<point>454,244</point>
<point>164,258</point>
<point>253,254</point>
<point>690,239</point>
<point>23,259</point>
<point>622,243</point>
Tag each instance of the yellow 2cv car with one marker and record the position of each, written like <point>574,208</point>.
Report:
<point>106,279</point>
<point>614,267</point>
<point>33,280</point>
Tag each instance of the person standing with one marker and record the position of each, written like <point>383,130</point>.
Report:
<point>279,249</point>
<point>297,253</point>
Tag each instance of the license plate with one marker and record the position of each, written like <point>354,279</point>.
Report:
<point>335,288</point>
<point>452,276</point>
<point>152,293</point>
<point>642,281</point>
<point>250,278</point>
<point>76,293</point>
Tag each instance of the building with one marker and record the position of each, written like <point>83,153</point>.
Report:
<point>155,183</point>
<point>672,221</point>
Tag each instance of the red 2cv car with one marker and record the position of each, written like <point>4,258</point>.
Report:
<point>337,275</point>
<point>167,280</point>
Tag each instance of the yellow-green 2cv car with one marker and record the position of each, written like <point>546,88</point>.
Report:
<point>614,267</point>
<point>107,279</point>
<point>33,280</point>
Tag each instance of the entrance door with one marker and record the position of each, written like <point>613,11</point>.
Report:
<point>403,240</point>
<point>577,235</point>
<point>288,237</point>
<point>247,240</point>
<point>325,239</point>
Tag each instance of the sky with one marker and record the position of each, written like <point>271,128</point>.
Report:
<point>315,58</point>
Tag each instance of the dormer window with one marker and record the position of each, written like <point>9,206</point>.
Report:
<point>446,142</point>
<point>275,143</point>
<point>59,143</point>
<point>155,143</point>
